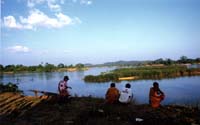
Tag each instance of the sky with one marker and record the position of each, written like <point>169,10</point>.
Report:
<point>98,31</point>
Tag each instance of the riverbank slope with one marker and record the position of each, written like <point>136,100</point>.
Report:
<point>19,109</point>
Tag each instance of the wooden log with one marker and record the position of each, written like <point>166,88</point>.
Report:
<point>128,78</point>
<point>43,92</point>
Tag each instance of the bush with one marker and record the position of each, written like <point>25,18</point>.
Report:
<point>9,87</point>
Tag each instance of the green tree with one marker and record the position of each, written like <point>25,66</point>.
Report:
<point>183,59</point>
<point>40,68</point>
<point>159,61</point>
<point>20,68</point>
<point>9,68</point>
<point>61,65</point>
<point>169,61</point>
<point>70,66</point>
<point>79,65</point>
<point>49,67</point>
<point>1,68</point>
<point>197,60</point>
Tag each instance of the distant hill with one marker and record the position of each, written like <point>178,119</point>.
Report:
<point>120,63</point>
<point>167,61</point>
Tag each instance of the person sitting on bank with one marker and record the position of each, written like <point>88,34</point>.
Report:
<point>126,94</point>
<point>112,94</point>
<point>155,95</point>
<point>62,88</point>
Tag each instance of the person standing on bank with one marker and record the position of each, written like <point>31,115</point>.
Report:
<point>62,88</point>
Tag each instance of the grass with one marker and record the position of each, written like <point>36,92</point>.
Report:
<point>143,73</point>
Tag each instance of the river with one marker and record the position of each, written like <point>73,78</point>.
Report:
<point>182,90</point>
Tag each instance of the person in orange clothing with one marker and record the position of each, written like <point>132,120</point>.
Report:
<point>112,94</point>
<point>155,95</point>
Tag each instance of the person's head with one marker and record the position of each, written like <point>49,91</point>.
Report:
<point>155,85</point>
<point>112,84</point>
<point>128,85</point>
<point>66,78</point>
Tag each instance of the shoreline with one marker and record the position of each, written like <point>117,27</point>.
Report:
<point>18,109</point>
<point>58,70</point>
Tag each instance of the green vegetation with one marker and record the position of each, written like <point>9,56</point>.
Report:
<point>147,72</point>
<point>47,67</point>
<point>9,87</point>
<point>39,68</point>
<point>167,61</point>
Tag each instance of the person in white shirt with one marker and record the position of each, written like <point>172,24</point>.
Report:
<point>126,94</point>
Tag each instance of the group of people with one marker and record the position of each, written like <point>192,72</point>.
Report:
<point>113,95</point>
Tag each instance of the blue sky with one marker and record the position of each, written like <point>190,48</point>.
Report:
<point>98,31</point>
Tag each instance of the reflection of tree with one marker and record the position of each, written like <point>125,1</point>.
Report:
<point>49,76</point>
<point>40,75</point>
<point>61,75</point>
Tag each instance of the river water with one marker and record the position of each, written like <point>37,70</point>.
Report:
<point>182,90</point>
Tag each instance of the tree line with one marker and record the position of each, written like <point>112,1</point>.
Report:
<point>47,67</point>
<point>167,61</point>
<point>182,60</point>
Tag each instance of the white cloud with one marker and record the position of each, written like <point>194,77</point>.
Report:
<point>52,4</point>
<point>37,19</point>
<point>83,2</point>
<point>86,2</point>
<point>10,22</point>
<point>32,3</point>
<point>55,5</point>
<point>18,48</point>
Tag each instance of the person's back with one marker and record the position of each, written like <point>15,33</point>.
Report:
<point>126,94</point>
<point>155,95</point>
<point>112,94</point>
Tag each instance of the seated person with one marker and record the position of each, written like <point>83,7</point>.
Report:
<point>126,94</point>
<point>112,94</point>
<point>155,95</point>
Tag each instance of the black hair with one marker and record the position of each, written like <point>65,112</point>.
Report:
<point>128,85</point>
<point>155,84</point>
<point>66,78</point>
<point>112,84</point>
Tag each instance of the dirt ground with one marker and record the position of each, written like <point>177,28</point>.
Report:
<point>23,110</point>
